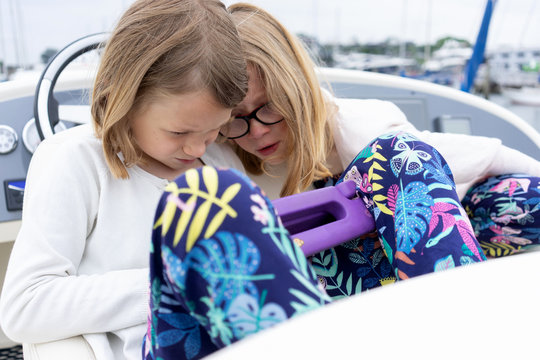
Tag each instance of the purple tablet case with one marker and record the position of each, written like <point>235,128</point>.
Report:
<point>324,218</point>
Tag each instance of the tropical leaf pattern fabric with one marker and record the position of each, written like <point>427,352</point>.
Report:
<point>421,226</point>
<point>222,267</point>
<point>505,213</point>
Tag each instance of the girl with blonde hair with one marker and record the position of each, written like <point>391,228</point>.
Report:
<point>491,183</point>
<point>239,272</point>
<point>170,74</point>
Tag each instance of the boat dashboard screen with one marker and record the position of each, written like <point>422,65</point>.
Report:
<point>453,124</point>
<point>14,193</point>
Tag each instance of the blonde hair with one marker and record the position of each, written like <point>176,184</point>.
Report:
<point>289,78</point>
<point>163,47</point>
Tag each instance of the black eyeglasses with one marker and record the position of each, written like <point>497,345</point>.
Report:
<point>238,126</point>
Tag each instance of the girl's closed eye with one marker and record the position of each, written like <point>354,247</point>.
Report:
<point>178,133</point>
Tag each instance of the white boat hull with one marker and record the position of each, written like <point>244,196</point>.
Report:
<point>524,96</point>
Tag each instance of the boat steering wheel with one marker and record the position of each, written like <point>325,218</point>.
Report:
<point>47,110</point>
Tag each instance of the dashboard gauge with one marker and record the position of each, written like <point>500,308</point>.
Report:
<point>30,135</point>
<point>8,139</point>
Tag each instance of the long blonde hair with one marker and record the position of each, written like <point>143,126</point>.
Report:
<point>163,47</point>
<point>289,78</point>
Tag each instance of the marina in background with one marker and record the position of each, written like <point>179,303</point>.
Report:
<point>508,76</point>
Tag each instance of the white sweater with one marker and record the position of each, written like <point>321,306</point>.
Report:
<point>80,261</point>
<point>470,157</point>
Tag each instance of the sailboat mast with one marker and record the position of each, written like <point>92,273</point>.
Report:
<point>403,43</point>
<point>479,47</point>
<point>2,44</point>
<point>427,46</point>
<point>15,33</point>
<point>22,37</point>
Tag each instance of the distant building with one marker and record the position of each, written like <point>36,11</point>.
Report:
<point>515,67</point>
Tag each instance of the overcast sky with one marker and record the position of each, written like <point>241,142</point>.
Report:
<point>38,24</point>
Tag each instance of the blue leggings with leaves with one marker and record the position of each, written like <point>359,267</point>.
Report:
<point>223,267</point>
<point>505,213</point>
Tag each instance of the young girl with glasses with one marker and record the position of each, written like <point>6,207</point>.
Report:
<point>223,267</point>
<point>169,76</point>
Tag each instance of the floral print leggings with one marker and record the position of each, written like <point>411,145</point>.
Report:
<point>505,213</point>
<point>222,266</point>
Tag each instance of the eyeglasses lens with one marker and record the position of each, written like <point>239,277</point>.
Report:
<point>239,126</point>
<point>235,127</point>
<point>268,116</point>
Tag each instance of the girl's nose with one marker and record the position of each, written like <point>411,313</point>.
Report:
<point>257,129</point>
<point>195,148</point>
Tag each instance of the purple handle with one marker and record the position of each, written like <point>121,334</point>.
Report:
<point>324,218</point>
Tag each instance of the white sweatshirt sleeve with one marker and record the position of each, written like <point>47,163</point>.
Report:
<point>45,297</point>
<point>471,158</point>
<point>511,161</point>
<point>360,121</point>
